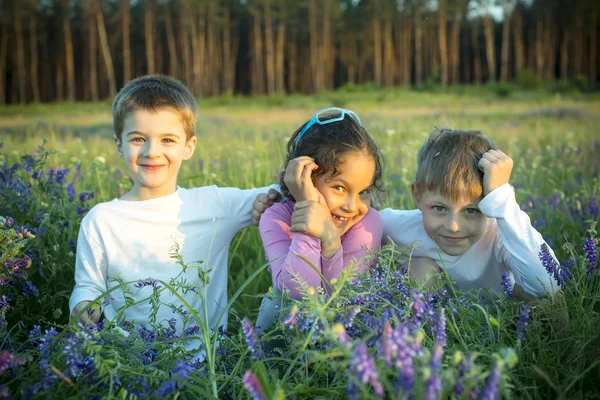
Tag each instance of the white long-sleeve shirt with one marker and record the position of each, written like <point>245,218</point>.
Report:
<point>134,240</point>
<point>509,244</point>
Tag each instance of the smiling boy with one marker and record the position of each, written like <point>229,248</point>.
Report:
<point>132,238</point>
<point>467,219</point>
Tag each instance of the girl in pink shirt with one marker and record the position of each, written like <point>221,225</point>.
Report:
<point>325,216</point>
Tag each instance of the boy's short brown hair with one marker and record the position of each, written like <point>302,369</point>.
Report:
<point>155,93</point>
<point>448,163</point>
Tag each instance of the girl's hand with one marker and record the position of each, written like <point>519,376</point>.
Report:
<point>496,167</point>
<point>89,317</point>
<point>298,179</point>
<point>314,219</point>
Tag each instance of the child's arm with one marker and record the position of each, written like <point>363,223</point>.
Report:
<point>520,243</point>
<point>90,275</point>
<point>282,248</point>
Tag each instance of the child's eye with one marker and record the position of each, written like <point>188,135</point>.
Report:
<point>365,192</point>
<point>338,188</point>
<point>167,140</point>
<point>471,211</point>
<point>137,139</point>
<point>439,208</point>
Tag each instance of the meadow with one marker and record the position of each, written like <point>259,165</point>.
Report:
<point>377,335</point>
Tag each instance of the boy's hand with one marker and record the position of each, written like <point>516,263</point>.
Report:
<point>315,220</point>
<point>262,202</point>
<point>89,317</point>
<point>298,179</point>
<point>496,167</point>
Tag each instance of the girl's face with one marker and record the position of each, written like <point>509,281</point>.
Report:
<point>348,194</point>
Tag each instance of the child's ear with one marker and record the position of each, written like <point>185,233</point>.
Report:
<point>190,146</point>
<point>415,194</point>
<point>119,146</point>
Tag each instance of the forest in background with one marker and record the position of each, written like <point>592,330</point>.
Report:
<point>84,50</point>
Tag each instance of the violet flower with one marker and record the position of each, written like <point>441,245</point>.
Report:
<point>506,284</point>
<point>362,366</point>
<point>490,390</point>
<point>252,385</point>
<point>252,339</point>
<point>591,253</point>
<point>523,321</point>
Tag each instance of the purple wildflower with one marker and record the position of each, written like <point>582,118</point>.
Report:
<point>138,387</point>
<point>8,360</point>
<point>9,222</point>
<point>464,368</point>
<point>440,327</point>
<point>551,264</point>
<point>252,385</point>
<point>148,282</point>
<point>523,321</point>
<point>433,386</point>
<point>30,289</point>
<point>506,284</point>
<point>362,366</point>
<point>591,253</point>
<point>594,209</point>
<point>252,339</point>
<point>4,393</point>
<point>182,370</point>
<point>352,313</point>
<point>165,389</point>
<point>490,390</point>
<point>290,319</point>
<point>341,334</point>
<point>71,192</point>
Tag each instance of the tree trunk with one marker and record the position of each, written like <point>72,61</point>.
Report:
<point>149,36</point>
<point>564,55</point>
<point>550,48</point>
<point>69,62</point>
<point>171,44</point>
<point>377,68</point>
<point>3,60</point>
<point>490,46</point>
<point>314,46</point>
<point>125,22</point>
<point>269,47</point>
<point>327,50</point>
<point>227,61</point>
<point>93,53</point>
<point>35,81</point>
<point>279,54</point>
<point>539,49</point>
<point>60,78</point>
<point>418,50</point>
<point>389,60</point>
<point>292,48</point>
<point>108,63</point>
<point>593,48</point>
<point>201,52</point>
<point>258,84</point>
<point>579,45</point>
<point>213,64</point>
<point>183,30</point>
<point>19,52</point>
<point>443,46</point>
<point>519,43</point>
<point>476,53</point>
<point>505,42</point>
<point>455,46</point>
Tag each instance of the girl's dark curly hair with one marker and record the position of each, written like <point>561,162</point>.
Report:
<point>326,144</point>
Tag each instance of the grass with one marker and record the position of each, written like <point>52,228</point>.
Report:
<point>553,139</point>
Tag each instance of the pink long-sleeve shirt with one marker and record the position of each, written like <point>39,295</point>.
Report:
<point>282,248</point>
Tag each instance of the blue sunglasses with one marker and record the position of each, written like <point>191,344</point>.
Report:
<point>327,116</point>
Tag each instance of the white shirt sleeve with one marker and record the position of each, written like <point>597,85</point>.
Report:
<point>519,244</point>
<point>91,267</point>
<point>237,204</point>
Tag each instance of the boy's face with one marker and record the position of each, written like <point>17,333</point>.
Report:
<point>453,226</point>
<point>153,145</point>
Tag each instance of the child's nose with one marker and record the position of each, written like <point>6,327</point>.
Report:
<point>151,148</point>
<point>452,224</point>
<point>351,203</point>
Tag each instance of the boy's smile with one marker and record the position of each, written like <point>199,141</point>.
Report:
<point>153,145</point>
<point>454,226</point>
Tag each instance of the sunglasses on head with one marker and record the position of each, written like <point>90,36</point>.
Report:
<point>327,116</point>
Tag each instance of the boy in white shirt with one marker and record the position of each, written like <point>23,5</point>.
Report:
<point>468,221</point>
<point>132,238</point>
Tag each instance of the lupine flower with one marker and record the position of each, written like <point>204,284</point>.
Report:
<point>252,385</point>
<point>362,366</point>
<point>132,387</point>
<point>440,327</point>
<point>165,389</point>
<point>341,334</point>
<point>490,390</point>
<point>464,368</point>
<point>506,285</point>
<point>148,282</point>
<point>252,339</point>
<point>290,319</point>
<point>433,385</point>
<point>8,360</point>
<point>4,393</point>
<point>182,370</point>
<point>591,253</point>
<point>523,321</point>
<point>352,313</point>
<point>30,289</point>
<point>551,265</point>
<point>71,192</point>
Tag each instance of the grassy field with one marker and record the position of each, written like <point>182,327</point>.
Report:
<point>553,139</point>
